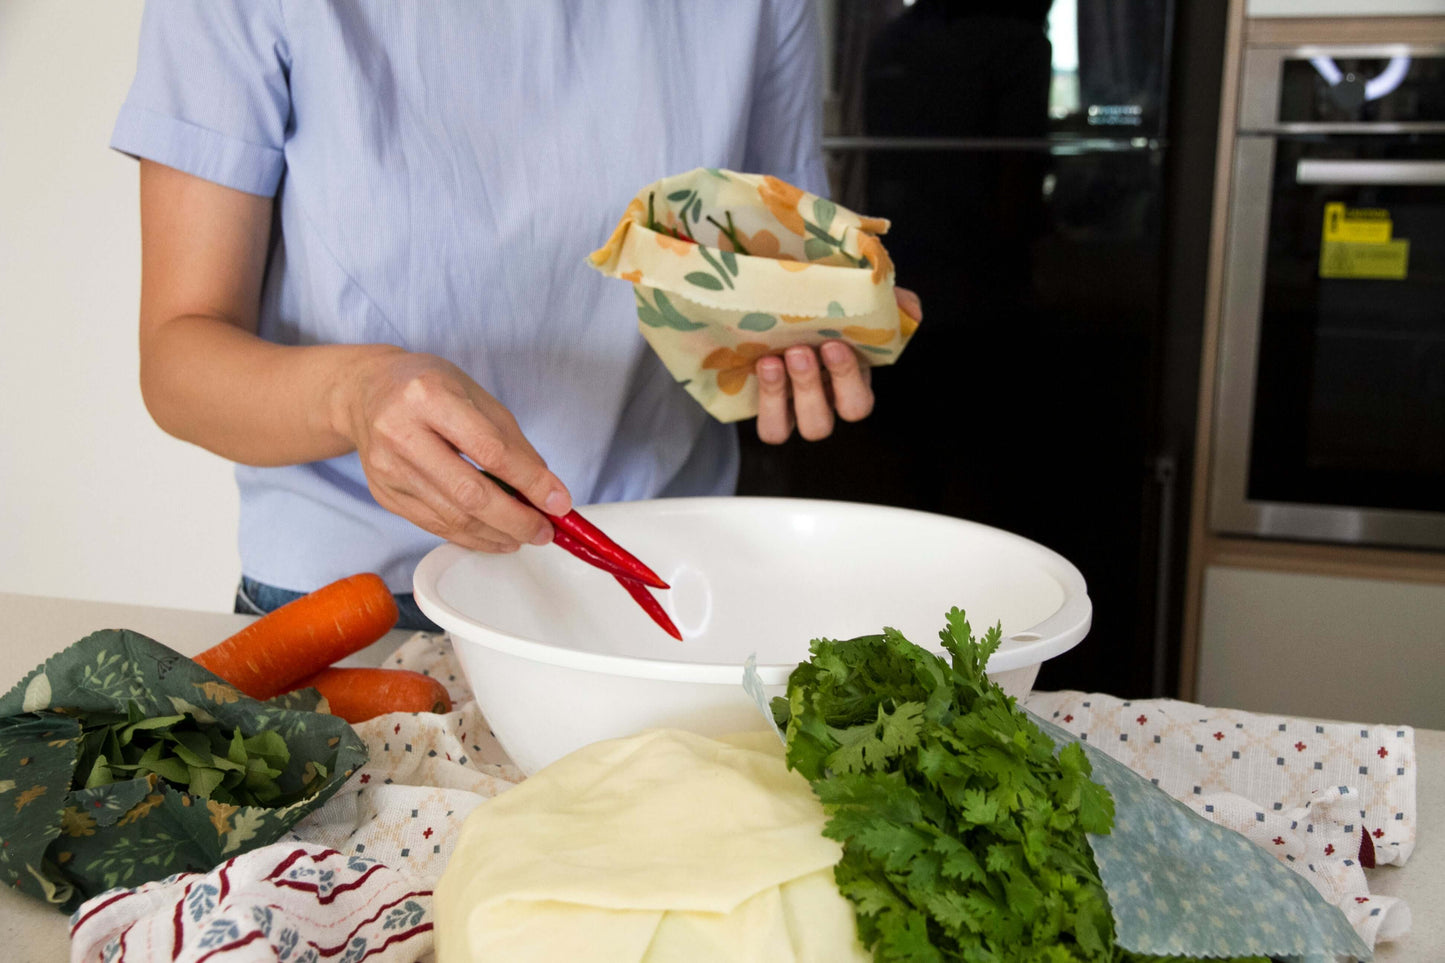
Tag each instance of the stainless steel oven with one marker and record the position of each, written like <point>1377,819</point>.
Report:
<point>1330,417</point>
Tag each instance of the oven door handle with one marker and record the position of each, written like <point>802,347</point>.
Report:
<point>1369,172</point>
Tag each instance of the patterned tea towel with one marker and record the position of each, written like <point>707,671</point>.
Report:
<point>728,267</point>
<point>353,881</point>
<point>287,901</point>
<point>1326,799</point>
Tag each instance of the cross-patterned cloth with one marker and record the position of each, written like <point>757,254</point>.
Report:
<point>1327,799</point>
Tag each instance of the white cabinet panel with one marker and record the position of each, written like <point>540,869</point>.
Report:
<point>1359,650</point>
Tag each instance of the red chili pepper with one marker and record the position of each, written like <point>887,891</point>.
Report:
<point>564,541</point>
<point>617,556</point>
<point>609,555</point>
<point>649,604</point>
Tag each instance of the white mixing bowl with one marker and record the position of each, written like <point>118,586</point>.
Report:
<point>559,656</point>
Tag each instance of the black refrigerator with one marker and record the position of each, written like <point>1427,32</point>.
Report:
<point>1021,149</point>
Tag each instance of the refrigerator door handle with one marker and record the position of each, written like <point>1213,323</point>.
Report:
<point>1165,474</point>
<point>1309,171</point>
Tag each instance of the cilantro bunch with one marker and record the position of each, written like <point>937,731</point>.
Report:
<point>963,832</point>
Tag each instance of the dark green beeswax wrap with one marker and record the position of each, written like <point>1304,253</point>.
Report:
<point>147,819</point>
<point>1179,885</point>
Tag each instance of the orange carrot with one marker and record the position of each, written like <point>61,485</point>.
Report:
<point>360,694</point>
<point>299,639</point>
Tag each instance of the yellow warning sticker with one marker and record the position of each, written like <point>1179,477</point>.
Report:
<point>1371,260</point>
<point>1359,242</point>
<point>1359,225</point>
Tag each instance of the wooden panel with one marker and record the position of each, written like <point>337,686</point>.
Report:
<point>1346,561</point>
<point>1288,31</point>
<point>1199,499</point>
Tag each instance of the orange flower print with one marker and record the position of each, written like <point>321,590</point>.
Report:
<point>906,324</point>
<point>788,264</point>
<point>734,365</point>
<point>604,253</point>
<point>874,225</point>
<point>35,792</point>
<point>781,198</point>
<point>872,249</point>
<point>762,244</point>
<point>634,276</point>
<point>874,336</point>
<point>674,244</point>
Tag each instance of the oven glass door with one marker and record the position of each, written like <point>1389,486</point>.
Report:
<point>1349,400</point>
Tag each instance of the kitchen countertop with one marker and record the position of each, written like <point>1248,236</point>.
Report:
<point>37,627</point>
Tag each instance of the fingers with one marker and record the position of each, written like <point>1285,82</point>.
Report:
<point>909,302</point>
<point>799,391</point>
<point>494,442</point>
<point>851,381</point>
<point>811,409</point>
<point>413,425</point>
<point>515,461</point>
<point>443,494</point>
<point>423,506</point>
<point>775,413</point>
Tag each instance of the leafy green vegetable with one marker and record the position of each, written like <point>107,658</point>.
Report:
<point>964,834</point>
<point>201,759</point>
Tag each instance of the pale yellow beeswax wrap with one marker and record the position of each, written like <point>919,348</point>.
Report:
<point>661,846</point>
<point>728,267</point>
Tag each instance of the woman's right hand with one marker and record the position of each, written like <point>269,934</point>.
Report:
<point>411,417</point>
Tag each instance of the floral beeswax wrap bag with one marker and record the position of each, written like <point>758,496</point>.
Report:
<point>145,820</point>
<point>729,267</point>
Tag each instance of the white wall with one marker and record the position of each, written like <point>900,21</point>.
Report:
<point>95,501</point>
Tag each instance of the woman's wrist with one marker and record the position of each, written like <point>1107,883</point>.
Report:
<point>355,369</point>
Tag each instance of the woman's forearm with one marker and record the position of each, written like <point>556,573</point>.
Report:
<point>208,378</point>
<point>216,385</point>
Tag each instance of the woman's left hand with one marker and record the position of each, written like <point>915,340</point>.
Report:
<point>809,389</point>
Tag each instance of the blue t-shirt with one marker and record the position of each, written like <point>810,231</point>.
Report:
<point>441,170</point>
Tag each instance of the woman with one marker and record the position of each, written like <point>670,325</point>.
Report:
<point>363,232</point>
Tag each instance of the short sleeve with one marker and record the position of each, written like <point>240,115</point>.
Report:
<point>785,126</point>
<point>211,95</point>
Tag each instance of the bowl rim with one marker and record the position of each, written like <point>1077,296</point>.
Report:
<point>1058,633</point>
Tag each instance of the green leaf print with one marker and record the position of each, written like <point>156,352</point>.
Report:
<point>704,281</point>
<point>649,316</point>
<point>816,250</point>
<point>682,195</point>
<point>822,235</point>
<point>722,273</point>
<point>874,349</point>
<point>730,261</point>
<point>835,310</point>
<point>823,212</point>
<point>674,318</point>
<point>830,333</point>
<point>142,816</point>
<point>757,322</point>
